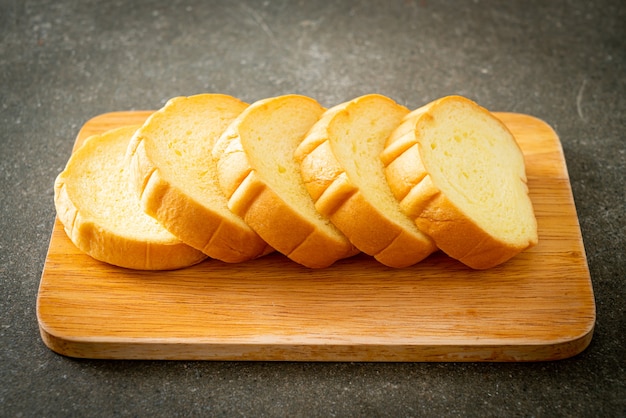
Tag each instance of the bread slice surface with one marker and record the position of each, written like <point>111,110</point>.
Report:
<point>173,172</point>
<point>459,172</point>
<point>103,217</point>
<point>261,179</point>
<point>343,172</point>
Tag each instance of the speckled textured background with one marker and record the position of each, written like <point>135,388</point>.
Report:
<point>64,62</point>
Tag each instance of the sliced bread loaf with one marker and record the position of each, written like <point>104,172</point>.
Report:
<point>102,216</point>
<point>261,179</point>
<point>458,171</point>
<point>173,172</point>
<point>342,170</point>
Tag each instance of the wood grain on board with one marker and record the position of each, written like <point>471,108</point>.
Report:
<point>537,306</point>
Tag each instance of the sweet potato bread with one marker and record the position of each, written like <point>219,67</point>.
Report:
<point>102,216</point>
<point>209,175</point>
<point>458,172</point>
<point>261,179</point>
<point>173,173</point>
<point>344,175</point>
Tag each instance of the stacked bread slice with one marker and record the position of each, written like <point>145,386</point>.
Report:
<point>173,173</point>
<point>232,181</point>
<point>459,173</point>
<point>344,175</point>
<point>261,179</point>
<point>102,216</point>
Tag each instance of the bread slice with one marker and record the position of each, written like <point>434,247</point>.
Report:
<point>343,172</point>
<point>458,171</point>
<point>102,216</point>
<point>173,172</point>
<point>262,181</point>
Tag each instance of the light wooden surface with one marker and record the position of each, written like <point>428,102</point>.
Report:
<point>537,306</point>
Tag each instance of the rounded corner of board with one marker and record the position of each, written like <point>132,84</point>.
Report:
<point>54,342</point>
<point>573,346</point>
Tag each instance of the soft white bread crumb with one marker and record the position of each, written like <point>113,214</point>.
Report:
<point>458,171</point>
<point>261,179</point>
<point>342,170</point>
<point>102,216</point>
<point>173,172</point>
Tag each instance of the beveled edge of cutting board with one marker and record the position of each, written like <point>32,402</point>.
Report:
<point>155,349</point>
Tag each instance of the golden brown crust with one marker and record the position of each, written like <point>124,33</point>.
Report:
<point>462,238</point>
<point>317,169</point>
<point>321,170</point>
<point>337,197</point>
<point>452,229</point>
<point>401,156</point>
<point>249,196</point>
<point>286,228</point>
<point>202,225</point>
<point>96,238</point>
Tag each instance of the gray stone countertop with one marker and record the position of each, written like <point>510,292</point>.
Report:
<point>63,62</point>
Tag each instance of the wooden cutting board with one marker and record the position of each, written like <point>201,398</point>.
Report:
<point>537,306</point>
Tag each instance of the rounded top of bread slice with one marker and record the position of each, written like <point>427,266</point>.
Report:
<point>471,197</point>
<point>341,168</point>
<point>174,173</point>
<point>261,179</point>
<point>102,216</point>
